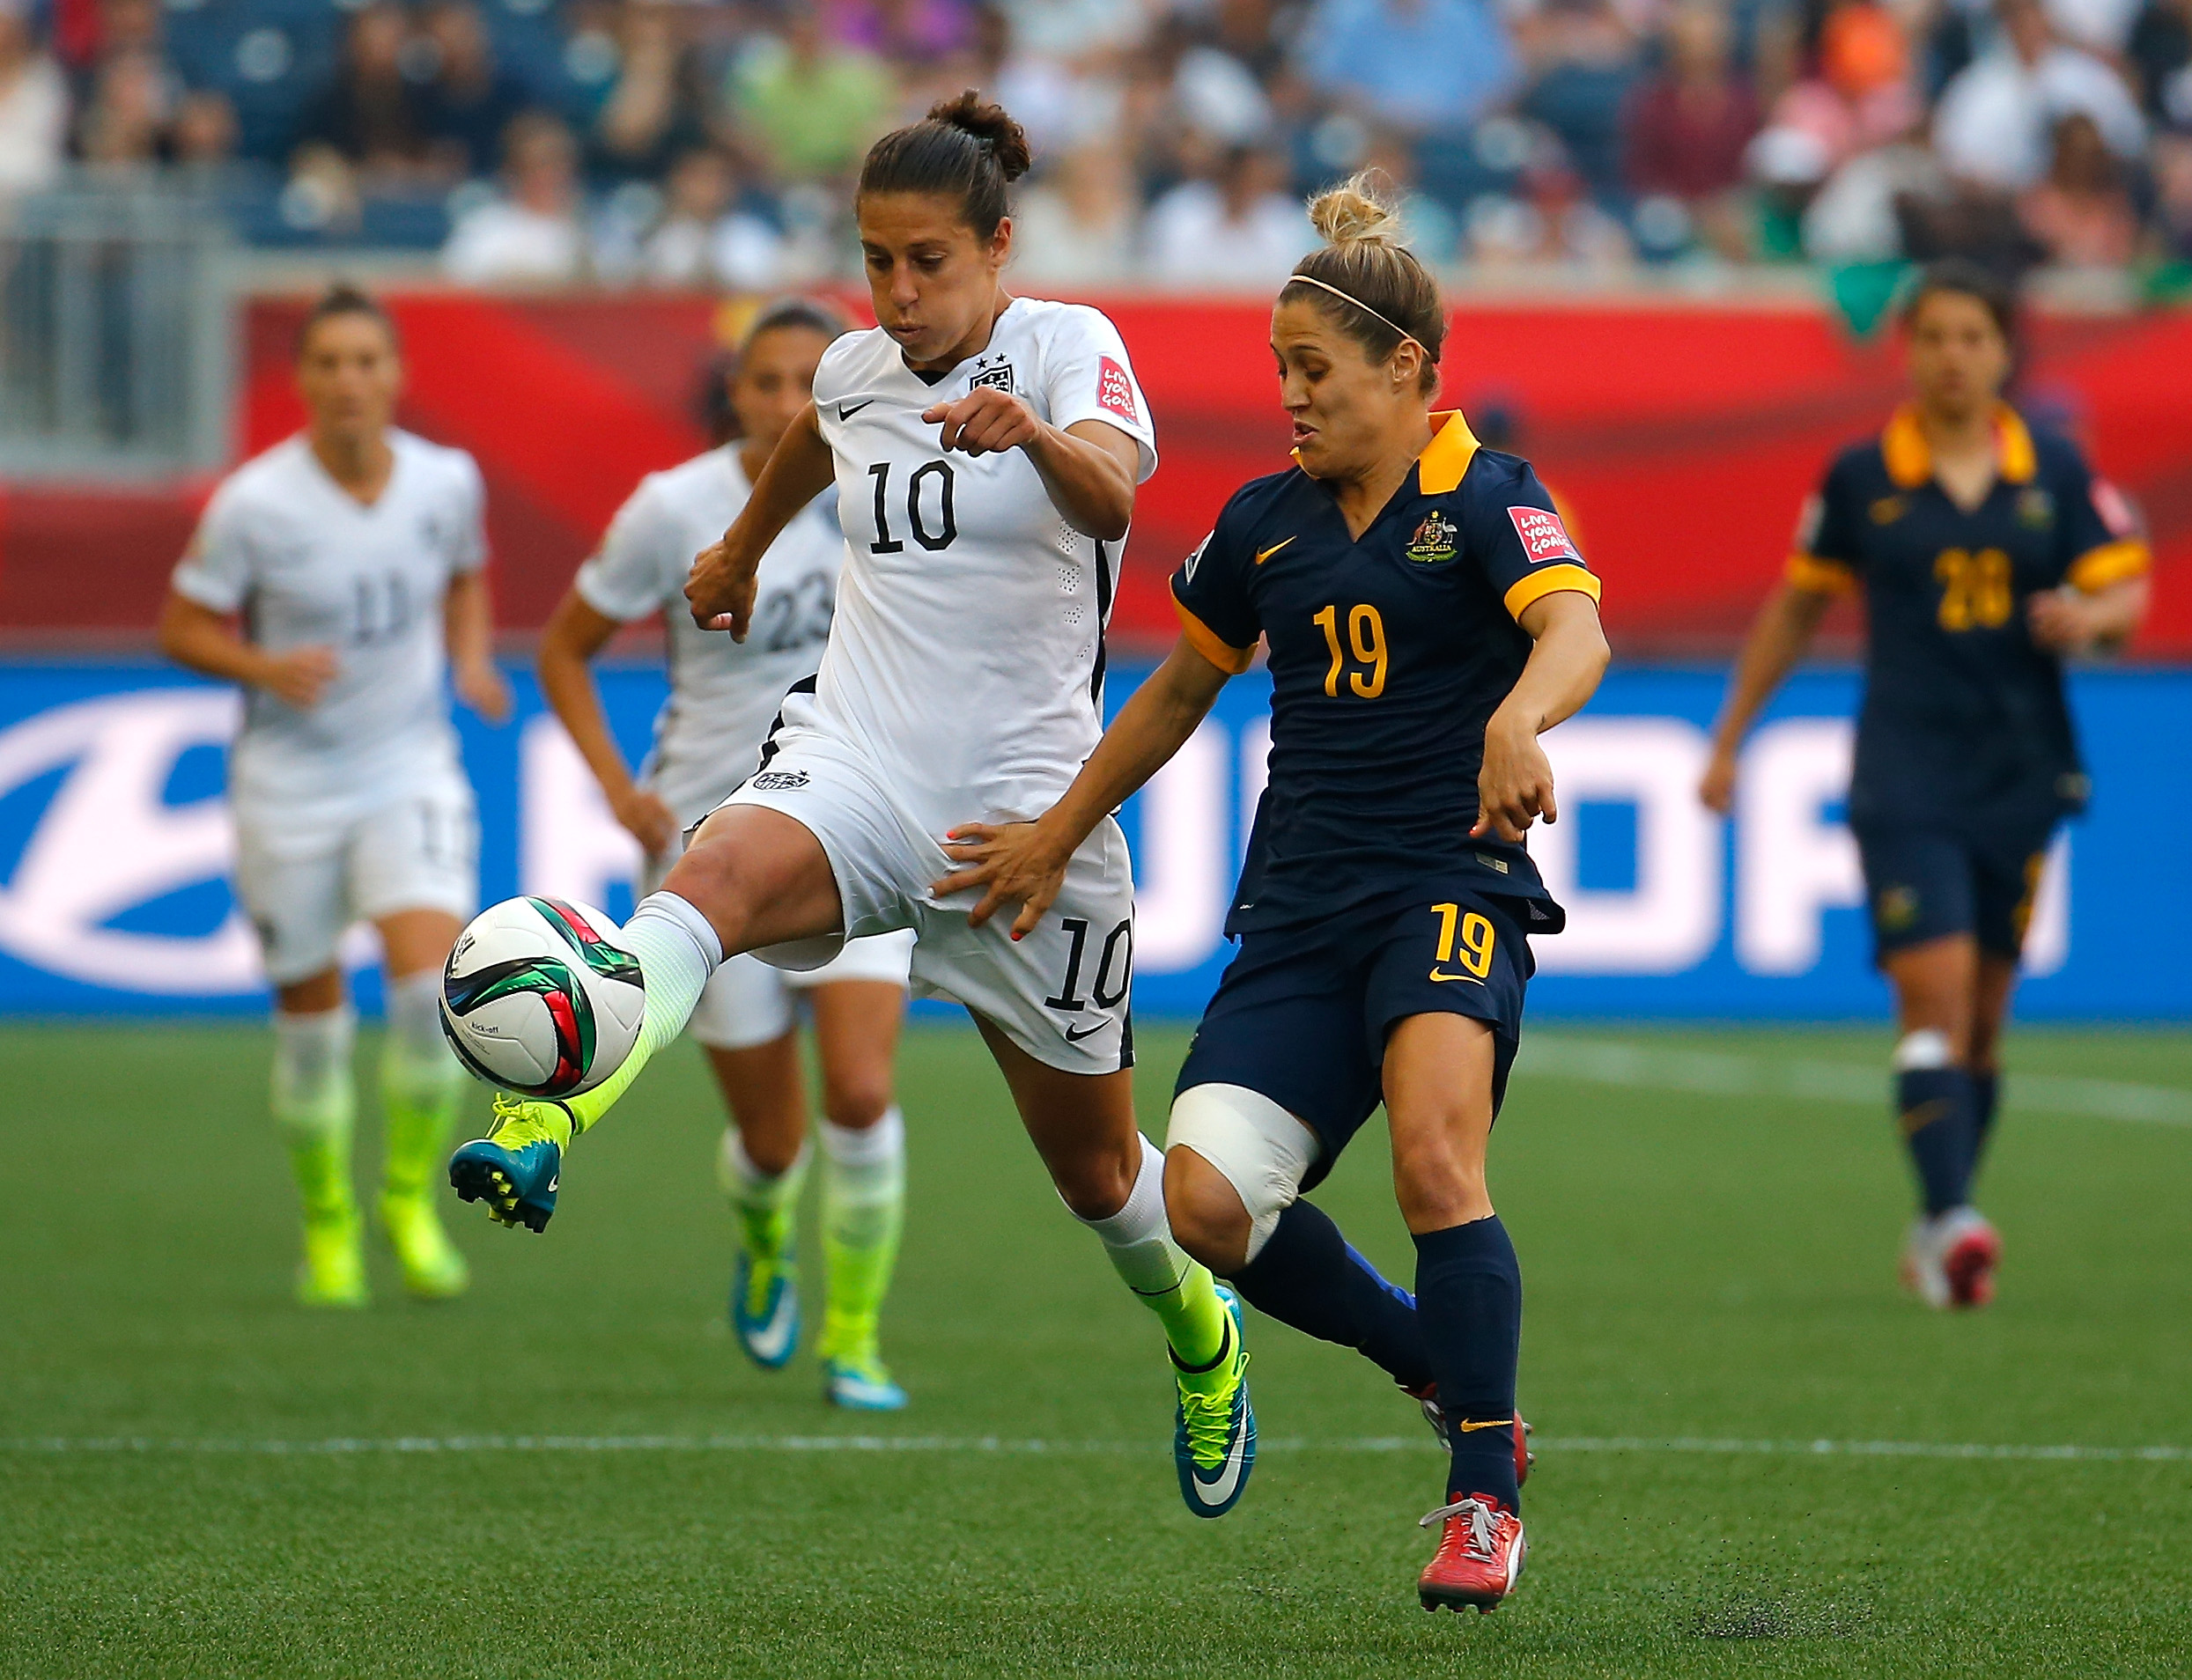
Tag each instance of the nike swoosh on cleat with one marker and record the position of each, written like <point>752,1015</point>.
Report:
<point>555,1184</point>
<point>846,410</point>
<point>1219,1491</point>
<point>769,1343</point>
<point>1074,1036</point>
<point>1263,555</point>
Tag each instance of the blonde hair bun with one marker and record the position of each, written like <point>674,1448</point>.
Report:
<point>1356,212</point>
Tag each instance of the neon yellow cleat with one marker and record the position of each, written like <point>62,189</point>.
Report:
<point>433,1268</point>
<point>332,1272</point>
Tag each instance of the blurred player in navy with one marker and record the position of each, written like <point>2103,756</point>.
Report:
<point>1428,619</point>
<point>1988,554</point>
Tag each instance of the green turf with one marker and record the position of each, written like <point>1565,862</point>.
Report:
<point>1697,1266</point>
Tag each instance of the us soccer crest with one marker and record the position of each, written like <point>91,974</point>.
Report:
<point>1435,540</point>
<point>999,377</point>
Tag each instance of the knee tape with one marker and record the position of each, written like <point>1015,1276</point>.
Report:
<point>1927,1048</point>
<point>311,1091</point>
<point>1256,1146</point>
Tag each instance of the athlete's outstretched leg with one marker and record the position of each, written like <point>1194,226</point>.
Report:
<point>1232,1146</point>
<point>1112,1178</point>
<point>314,1103</point>
<point>752,877</point>
<point>421,1085</point>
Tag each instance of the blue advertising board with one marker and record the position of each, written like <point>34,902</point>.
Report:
<point>115,842</point>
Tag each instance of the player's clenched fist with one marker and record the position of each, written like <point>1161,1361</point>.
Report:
<point>984,422</point>
<point>720,590</point>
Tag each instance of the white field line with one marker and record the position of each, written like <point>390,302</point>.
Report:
<point>1554,1055</point>
<point>346,1446</point>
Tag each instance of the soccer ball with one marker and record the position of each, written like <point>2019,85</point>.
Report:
<point>538,998</point>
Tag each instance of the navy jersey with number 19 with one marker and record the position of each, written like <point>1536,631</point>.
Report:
<point>1389,654</point>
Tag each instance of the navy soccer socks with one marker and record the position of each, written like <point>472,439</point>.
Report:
<point>1468,1293</point>
<point>1307,1276</point>
<point>1986,1094</point>
<point>1937,1109</point>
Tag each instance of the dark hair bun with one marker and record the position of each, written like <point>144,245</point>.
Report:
<point>990,124</point>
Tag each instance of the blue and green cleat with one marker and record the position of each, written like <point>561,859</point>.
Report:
<point>1214,1433</point>
<point>859,1383</point>
<point>765,1310</point>
<point>516,1168</point>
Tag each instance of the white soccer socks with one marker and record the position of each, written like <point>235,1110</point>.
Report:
<point>1178,1290</point>
<point>677,951</point>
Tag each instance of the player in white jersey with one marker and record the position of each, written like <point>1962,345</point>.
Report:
<point>985,450</point>
<point>351,556</point>
<point>724,696</point>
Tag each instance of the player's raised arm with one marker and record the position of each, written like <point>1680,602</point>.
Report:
<point>1024,863</point>
<point>721,588</point>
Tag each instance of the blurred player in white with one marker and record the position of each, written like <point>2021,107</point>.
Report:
<point>724,695</point>
<point>337,578</point>
<point>985,450</point>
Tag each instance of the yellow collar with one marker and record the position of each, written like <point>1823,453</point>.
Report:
<point>1439,469</point>
<point>1910,461</point>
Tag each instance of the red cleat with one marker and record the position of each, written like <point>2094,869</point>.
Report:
<point>1973,1253</point>
<point>1480,1556</point>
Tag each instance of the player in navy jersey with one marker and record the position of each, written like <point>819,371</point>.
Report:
<point>1987,553</point>
<point>1427,618</point>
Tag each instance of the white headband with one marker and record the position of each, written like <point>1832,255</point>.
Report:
<point>1345,297</point>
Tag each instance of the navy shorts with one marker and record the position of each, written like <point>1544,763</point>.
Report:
<point>1926,884</point>
<point>1302,1014</point>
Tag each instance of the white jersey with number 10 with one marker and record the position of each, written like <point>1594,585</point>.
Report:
<point>967,657</point>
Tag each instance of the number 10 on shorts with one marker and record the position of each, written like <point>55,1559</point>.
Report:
<point>1115,967</point>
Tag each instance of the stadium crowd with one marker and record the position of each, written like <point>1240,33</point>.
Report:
<point>708,141</point>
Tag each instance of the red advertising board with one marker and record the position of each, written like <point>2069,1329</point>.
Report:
<point>1680,438</point>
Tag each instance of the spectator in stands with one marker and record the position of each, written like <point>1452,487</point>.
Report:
<point>651,116</point>
<point>204,136</point>
<point>807,106</point>
<point>1583,62</point>
<point>2173,194</point>
<point>1993,124</point>
<point>1685,130</point>
<point>1079,225</point>
<point>34,106</point>
<point>907,32</point>
<point>531,232</point>
<point>2081,214</point>
<point>1427,66</point>
<point>1857,93</point>
<point>703,239</point>
<point>371,111</point>
<point>471,97</point>
<point>2160,56</point>
<point>124,125</point>
<point>1862,212</point>
<point>1245,229</point>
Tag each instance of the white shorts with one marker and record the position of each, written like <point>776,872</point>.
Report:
<point>747,1003</point>
<point>303,890</point>
<point>1062,994</point>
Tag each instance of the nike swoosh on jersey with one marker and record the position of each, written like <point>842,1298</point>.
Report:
<point>1263,555</point>
<point>846,410</point>
<point>1471,978</point>
<point>1074,1036</point>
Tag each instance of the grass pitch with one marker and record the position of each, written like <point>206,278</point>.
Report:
<point>573,1472</point>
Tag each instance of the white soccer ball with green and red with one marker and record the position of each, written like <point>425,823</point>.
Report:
<point>539,997</point>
